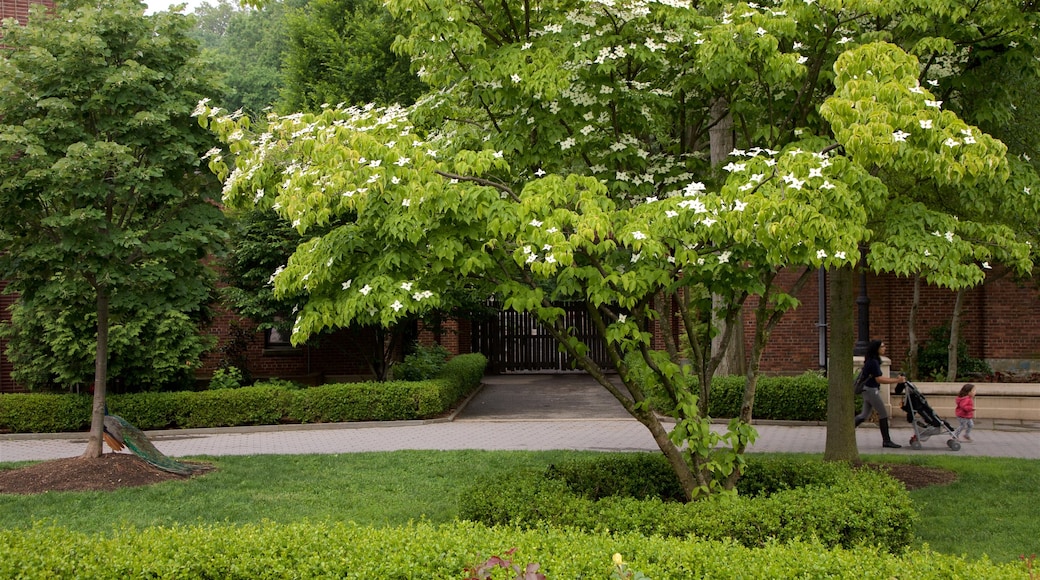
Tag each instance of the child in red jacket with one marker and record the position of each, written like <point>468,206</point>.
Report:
<point>965,412</point>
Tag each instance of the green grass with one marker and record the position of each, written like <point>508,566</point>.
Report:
<point>992,510</point>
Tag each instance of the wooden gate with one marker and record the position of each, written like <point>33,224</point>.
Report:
<point>515,341</point>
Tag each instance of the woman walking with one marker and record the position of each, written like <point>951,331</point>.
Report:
<point>872,389</point>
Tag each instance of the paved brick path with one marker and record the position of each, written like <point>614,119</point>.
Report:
<point>514,412</point>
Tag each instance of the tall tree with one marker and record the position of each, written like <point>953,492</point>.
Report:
<point>340,52</point>
<point>562,154</point>
<point>247,47</point>
<point>100,188</point>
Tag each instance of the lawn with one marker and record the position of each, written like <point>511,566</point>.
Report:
<point>990,511</point>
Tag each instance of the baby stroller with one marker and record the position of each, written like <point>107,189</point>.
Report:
<point>927,422</point>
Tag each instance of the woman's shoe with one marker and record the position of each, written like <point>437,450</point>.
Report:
<point>891,445</point>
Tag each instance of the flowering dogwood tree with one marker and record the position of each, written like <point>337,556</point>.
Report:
<point>561,155</point>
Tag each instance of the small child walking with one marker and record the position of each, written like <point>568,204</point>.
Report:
<point>965,412</point>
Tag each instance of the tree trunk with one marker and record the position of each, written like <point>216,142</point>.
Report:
<point>911,324</point>
<point>841,434</point>
<point>955,337</point>
<point>97,416</point>
<point>721,143</point>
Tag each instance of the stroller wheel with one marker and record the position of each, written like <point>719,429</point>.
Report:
<point>954,444</point>
<point>916,444</point>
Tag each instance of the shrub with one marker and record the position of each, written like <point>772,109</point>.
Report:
<point>263,404</point>
<point>933,357</point>
<point>422,550</point>
<point>424,363</point>
<point>226,378</point>
<point>835,504</point>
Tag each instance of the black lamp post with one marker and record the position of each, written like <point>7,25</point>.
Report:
<point>863,307</point>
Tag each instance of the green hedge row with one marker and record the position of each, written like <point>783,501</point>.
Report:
<point>256,405</point>
<point>798,398</point>
<point>837,505</point>
<point>423,551</point>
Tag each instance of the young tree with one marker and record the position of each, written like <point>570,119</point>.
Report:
<point>562,154</point>
<point>101,190</point>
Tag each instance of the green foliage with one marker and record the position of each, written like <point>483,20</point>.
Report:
<point>563,153</point>
<point>247,48</point>
<point>226,378</point>
<point>262,404</point>
<point>340,52</point>
<point>422,550</point>
<point>425,362</point>
<point>933,357</point>
<point>835,505</point>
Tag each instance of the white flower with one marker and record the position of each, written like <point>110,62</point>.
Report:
<point>969,140</point>
<point>900,136</point>
<point>917,89</point>
<point>986,266</point>
<point>365,290</point>
<point>694,188</point>
<point>739,205</point>
<point>515,78</point>
<point>567,143</point>
<point>397,306</point>
<point>671,213</point>
<point>550,259</point>
<point>761,31</point>
<point>395,180</point>
<point>540,172</point>
<point>708,222</point>
<point>536,223</point>
<point>401,162</point>
<point>635,258</point>
<point>844,40</point>
<point>951,142</point>
<point>731,167</point>
<point>821,254</point>
<point>406,286</point>
<point>948,236</point>
<point>815,172</point>
<point>375,163</point>
<point>926,123</point>
<point>497,154</point>
<point>622,318</point>
<point>827,185</point>
<point>406,202</point>
<point>724,257</point>
<point>802,59</point>
<point>839,255</point>
<point>346,284</point>
<point>935,104</point>
<point>639,235</point>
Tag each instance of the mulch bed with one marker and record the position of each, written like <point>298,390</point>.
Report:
<point>109,472</point>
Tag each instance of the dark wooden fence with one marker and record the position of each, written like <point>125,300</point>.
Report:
<point>515,341</point>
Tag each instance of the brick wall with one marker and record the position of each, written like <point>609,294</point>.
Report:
<point>19,9</point>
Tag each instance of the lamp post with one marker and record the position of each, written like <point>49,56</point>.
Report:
<point>863,307</point>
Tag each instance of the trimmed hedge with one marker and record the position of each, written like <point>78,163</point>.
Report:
<point>836,505</point>
<point>422,551</point>
<point>256,405</point>
<point>799,398</point>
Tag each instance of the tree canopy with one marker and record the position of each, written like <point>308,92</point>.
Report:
<point>562,153</point>
<point>102,200</point>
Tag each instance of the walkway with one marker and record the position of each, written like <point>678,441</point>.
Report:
<point>512,412</point>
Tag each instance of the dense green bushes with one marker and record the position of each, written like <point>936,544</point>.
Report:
<point>256,405</point>
<point>782,500</point>
<point>321,550</point>
<point>799,398</point>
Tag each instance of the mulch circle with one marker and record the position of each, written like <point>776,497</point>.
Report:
<point>109,472</point>
<point>916,476</point>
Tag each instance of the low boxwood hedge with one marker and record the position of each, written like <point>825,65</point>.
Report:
<point>422,551</point>
<point>833,503</point>
<point>256,405</point>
